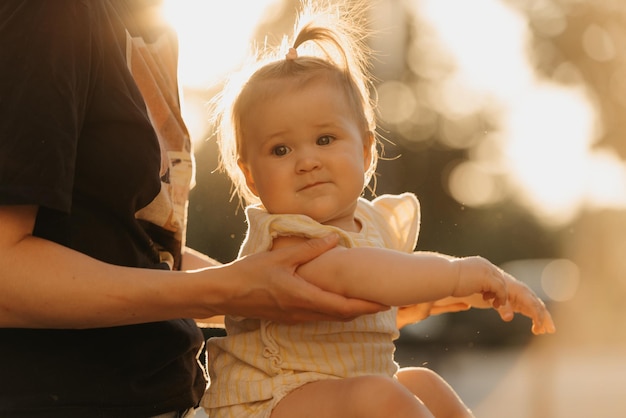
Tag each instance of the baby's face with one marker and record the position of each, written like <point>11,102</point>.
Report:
<point>306,154</point>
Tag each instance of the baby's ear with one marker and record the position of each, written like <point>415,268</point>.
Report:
<point>248,175</point>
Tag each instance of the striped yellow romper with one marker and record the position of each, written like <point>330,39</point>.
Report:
<point>259,362</point>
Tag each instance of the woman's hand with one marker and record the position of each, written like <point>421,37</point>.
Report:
<point>414,313</point>
<point>266,285</point>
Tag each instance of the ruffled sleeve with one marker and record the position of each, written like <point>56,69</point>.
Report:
<point>264,227</point>
<point>397,218</point>
<point>390,221</point>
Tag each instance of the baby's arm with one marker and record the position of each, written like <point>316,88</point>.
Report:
<point>521,299</point>
<point>395,278</point>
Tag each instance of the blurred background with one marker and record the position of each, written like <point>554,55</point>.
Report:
<point>507,119</point>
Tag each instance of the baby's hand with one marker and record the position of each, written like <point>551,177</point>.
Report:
<point>521,299</point>
<point>478,275</point>
<point>491,281</point>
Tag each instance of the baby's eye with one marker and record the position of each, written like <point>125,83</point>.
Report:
<point>325,140</point>
<point>280,150</point>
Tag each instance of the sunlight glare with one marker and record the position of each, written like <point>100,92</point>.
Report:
<point>487,40</point>
<point>546,131</point>
<point>471,185</point>
<point>214,36</point>
<point>606,183</point>
<point>553,279</point>
<point>560,279</point>
<point>598,44</point>
<point>545,152</point>
<point>396,101</point>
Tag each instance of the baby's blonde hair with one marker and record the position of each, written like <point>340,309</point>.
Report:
<point>330,42</point>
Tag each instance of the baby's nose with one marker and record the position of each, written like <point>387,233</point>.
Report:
<point>308,163</point>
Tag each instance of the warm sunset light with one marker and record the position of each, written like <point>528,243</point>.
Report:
<point>214,39</point>
<point>214,35</point>
<point>506,118</point>
<point>545,132</point>
<point>541,145</point>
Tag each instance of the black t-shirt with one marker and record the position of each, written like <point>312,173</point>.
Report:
<point>76,139</point>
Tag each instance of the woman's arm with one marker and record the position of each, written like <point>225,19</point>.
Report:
<point>46,285</point>
<point>194,260</point>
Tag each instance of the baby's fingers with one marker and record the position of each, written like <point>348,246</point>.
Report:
<point>525,301</point>
<point>506,312</point>
<point>545,325</point>
<point>492,297</point>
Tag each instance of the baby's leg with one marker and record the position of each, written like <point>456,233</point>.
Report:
<point>435,392</point>
<point>362,397</point>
